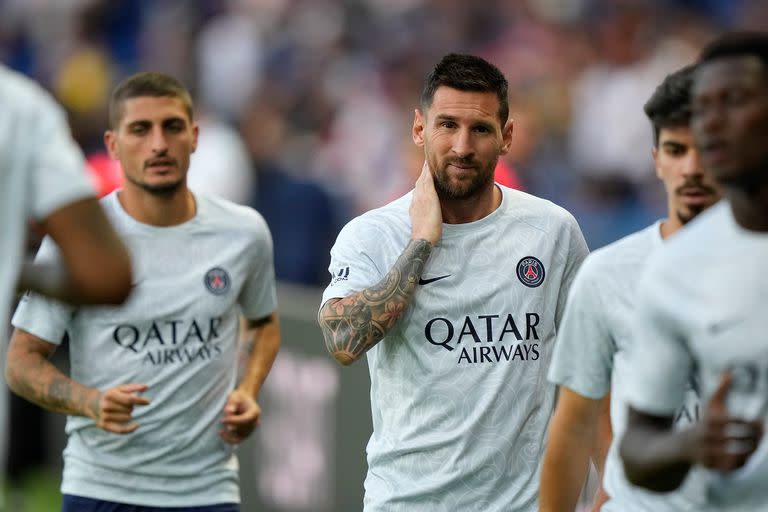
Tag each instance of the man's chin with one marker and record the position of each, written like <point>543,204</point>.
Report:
<point>162,188</point>
<point>688,214</point>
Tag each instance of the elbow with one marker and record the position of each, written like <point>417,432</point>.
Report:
<point>648,476</point>
<point>113,285</point>
<point>632,466</point>
<point>120,282</point>
<point>12,378</point>
<point>344,358</point>
<point>651,482</point>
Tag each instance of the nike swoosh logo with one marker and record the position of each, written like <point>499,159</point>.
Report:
<point>432,279</point>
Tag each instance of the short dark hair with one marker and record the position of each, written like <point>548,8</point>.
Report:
<point>670,104</point>
<point>467,73</point>
<point>737,44</point>
<point>146,83</point>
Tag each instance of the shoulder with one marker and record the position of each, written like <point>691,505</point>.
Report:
<point>391,219</point>
<point>231,217</point>
<point>710,229</point>
<point>630,251</point>
<point>538,213</point>
<point>25,98</point>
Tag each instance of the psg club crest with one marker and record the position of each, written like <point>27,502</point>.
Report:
<point>530,271</point>
<point>217,281</point>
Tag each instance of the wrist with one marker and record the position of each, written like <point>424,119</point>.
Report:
<point>418,239</point>
<point>92,404</point>
<point>249,387</point>
<point>686,441</point>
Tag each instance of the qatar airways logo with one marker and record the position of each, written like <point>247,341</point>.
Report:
<point>487,338</point>
<point>171,341</point>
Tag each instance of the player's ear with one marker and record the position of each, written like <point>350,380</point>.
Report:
<point>655,154</point>
<point>110,142</point>
<point>195,134</point>
<point>506,136</point>
<point>419,122</point>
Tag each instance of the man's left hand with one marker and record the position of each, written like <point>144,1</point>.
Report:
<point>241,416</point>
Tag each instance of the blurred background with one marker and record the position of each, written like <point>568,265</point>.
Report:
<point>305,109</point>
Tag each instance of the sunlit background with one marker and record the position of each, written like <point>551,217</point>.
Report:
<point>305,109</point>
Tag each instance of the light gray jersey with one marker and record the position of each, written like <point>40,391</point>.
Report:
<point>176,333</point>
<point>41,170</point>
<point>590,358</point>
<point>702,309</point>
<point>459,395</point>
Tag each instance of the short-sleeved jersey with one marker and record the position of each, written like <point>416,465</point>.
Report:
<point>177,333</point>
<point>702,309</point>
<point>41,170</point>
<point>590,358</point>
<point>459,395</point>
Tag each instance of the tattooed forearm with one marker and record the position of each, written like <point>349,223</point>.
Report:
<point>68,397</point>
<point>32,376</point>
<point>354,324</point>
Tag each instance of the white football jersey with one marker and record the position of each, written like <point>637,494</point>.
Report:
<point>178,334</point>
<point>591,359</point>
<point>702,310</point>
<point>459,394</point>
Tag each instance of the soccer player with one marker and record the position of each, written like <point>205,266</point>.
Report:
<point>152,403</point>
<point>589,362</point>
<point>702,307</point>
<point>455,292</point>
<point>43,179</point>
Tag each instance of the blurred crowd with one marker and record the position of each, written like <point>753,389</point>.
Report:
<point>306,105</point>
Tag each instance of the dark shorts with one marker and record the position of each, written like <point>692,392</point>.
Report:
<point>79,504</point>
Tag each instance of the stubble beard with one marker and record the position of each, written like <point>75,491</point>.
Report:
<point>687,216</point>
<point>162,190</point>
<point>446,190</point>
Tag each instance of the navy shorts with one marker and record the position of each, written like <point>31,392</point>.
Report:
<point>73,503</point>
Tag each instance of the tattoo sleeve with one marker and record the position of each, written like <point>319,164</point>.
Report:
<point>356,323</point>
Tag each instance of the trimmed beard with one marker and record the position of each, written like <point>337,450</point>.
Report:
<point>164,190</point>
<point>446,190</point>
<point>693,213</point>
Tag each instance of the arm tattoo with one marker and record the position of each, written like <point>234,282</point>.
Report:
<point>356,323</point>
<point>42,383</point>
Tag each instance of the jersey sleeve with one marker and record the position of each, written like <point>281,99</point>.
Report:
<point>57,169</point>
<point>577,252</point>
<point>353,266</point>
<point>659,359</point>
<point>258,297</point>
<point>583,355</point>
<point>46,318</point>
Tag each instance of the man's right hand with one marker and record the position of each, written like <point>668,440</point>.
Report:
<point>720,441</point>
<point>426,217</point>
<point>113,408</point>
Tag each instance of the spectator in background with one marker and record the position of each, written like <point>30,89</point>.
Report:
<point>303,216</point>
<point>221,165</point>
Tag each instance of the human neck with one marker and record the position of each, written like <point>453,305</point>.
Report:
<point>671,225</point>
<point>462,211</point>
<point>750,207</point>
<point>158,210</point>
